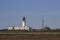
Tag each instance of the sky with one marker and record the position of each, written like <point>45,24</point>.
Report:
<point>12,12</point>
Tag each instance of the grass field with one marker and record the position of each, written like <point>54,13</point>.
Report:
<point>29,35</point>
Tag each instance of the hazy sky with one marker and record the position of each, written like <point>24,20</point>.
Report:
<point>12,11</point>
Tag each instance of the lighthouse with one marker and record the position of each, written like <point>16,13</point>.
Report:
<point>23,22</point>
<point>24,27</point>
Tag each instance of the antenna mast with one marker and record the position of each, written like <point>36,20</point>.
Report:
<point>42,21</point>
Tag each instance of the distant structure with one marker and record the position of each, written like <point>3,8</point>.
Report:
<point>23,22</point>
<point>42,21</point>
<point>23,27</point>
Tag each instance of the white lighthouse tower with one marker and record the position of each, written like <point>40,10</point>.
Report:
<point>24,27</point>
<point>23,22</point>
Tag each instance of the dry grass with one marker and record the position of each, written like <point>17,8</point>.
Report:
<point>29,36</point>
<point>18,35</point>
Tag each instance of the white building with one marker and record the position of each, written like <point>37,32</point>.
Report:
<point>10,28</point>
<point>23,27</point>
<point>16,28</point>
